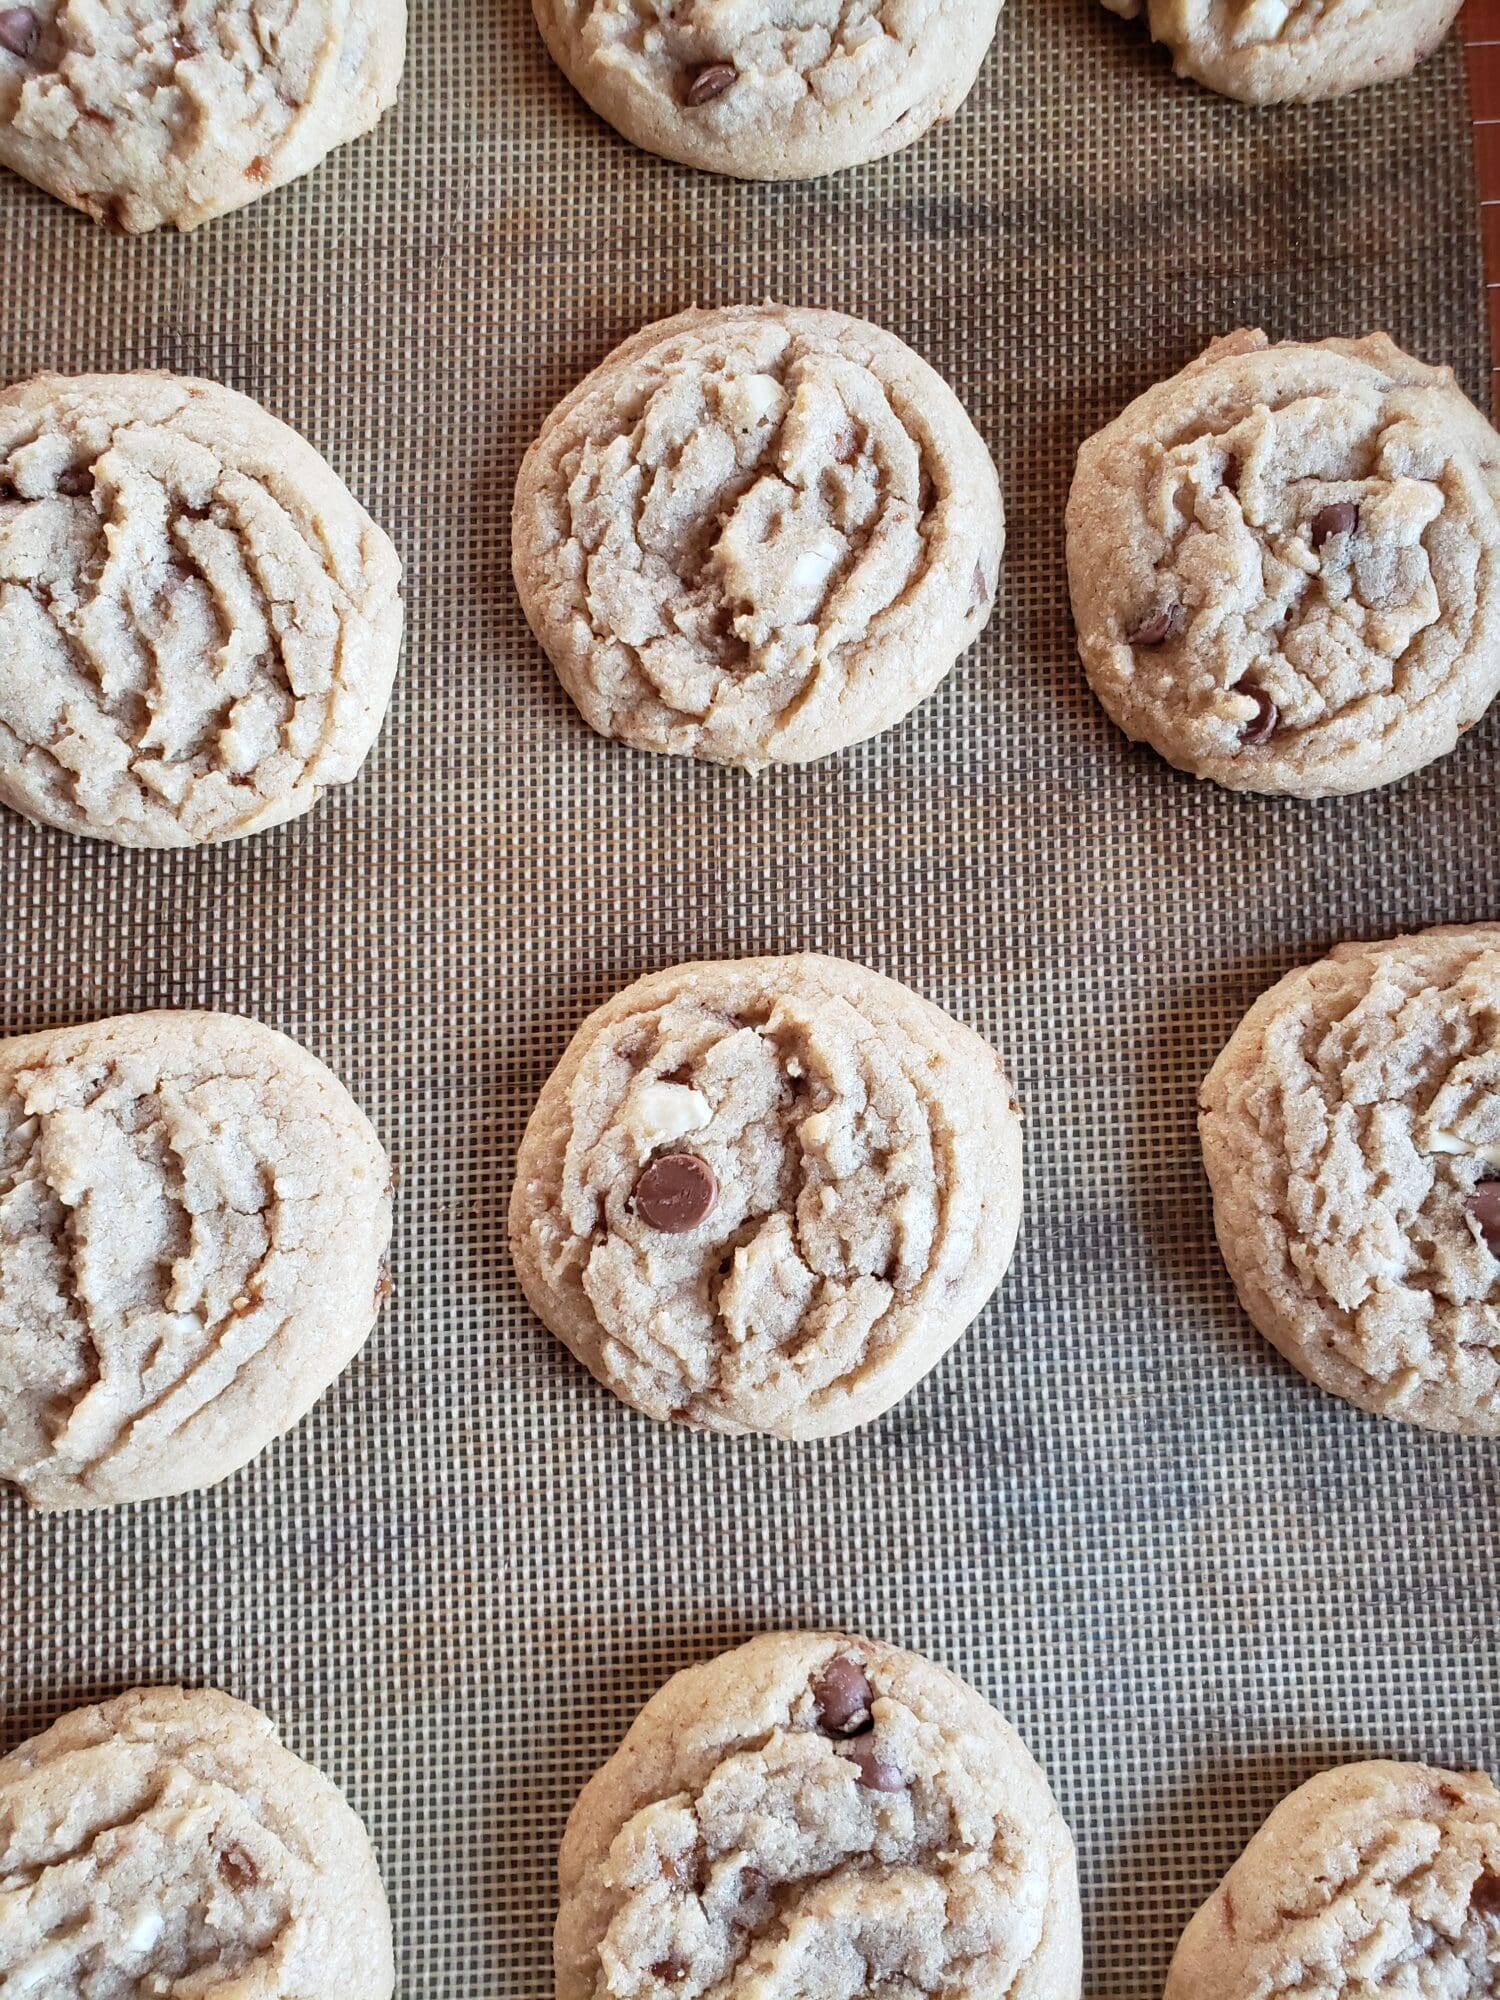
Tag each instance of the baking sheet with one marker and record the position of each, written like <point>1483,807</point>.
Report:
<point>1188,1577</point>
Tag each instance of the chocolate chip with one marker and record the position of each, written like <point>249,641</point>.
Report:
<point>1158,628</point>
<point>237,1867</point>
<point>1484,1206</point>
<point>710,82</point>
<point>672,1968</point>
<point>1263,725</point>
<point>19,30</point>
<point>874,1774</point>
<point>676,1193</point>
<point>843,1696</point>
<point>1485,1896</point>
<point>1342,518</point>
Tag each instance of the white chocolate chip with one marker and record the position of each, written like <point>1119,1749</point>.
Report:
<point>145,1930</point>
<point>814,566</point>
<point>1263,20</point>
<point>1450,1143</point>
<point>662,1111</point>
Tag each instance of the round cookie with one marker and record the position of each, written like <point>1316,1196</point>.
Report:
<point>817,1814</point>
<point>194,1215</point>
<point>166,1842</point>
<point>767,1194</point>
<point>142,113</point>
<point>200,623</point>
<point>770,90</point>
<point>1373,1879</point>
<point>1281,51</point>
<point>1351,1131</point>
<point>1285,565</point>
<point>756,535</point>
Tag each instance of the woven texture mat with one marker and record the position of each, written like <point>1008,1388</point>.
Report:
<point>1188,1577</point>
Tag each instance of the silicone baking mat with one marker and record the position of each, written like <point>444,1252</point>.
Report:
<point>1189,1577</point>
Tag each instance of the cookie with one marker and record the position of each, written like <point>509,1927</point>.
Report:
<point>770,90</point>
<point>194,1215</point>
<point>141,113</point>
<point>817,1814</point>
<point>166,1842</point>
<point>1285,565</point>
<point>1281,51</point>
<point>1351,1130</point>
<point>767,1194</point>
<point>200,623</point>
<point>1374,1879</point>
<point>756,535</point>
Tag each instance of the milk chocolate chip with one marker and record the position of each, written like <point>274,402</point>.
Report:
<point>676,1193</point>
<point>843,1697</point>
<point>1342,518</point>
<point>1262,725</point>
<point>237,1867</point>
<point>874,1774</point>
<point>710,82</point>
<point>19,29</point>
<point>1485,1896</point>
<point>1158,628</point>
<point>1484,1205</point>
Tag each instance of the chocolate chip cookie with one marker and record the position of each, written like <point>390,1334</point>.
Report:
<point>817,1814</point>
<point>1279,51</point>
<point>1285,565</point>
<point>1373,1879</point>
<point>1351,1130</point>
<point>200,624</point>
<point>142,113</point>
<point>194,1215</point>
<point>756,535</point>
<point>166,1843</point>
<point>767,1194</point>
<point>770,90</point>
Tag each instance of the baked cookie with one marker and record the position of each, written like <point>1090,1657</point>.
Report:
<point>142,113</point>
<point>817,1814</point>
<point>1285,565</point>
<point>1280,51</point>
<point>770,90</point>
<point>756,535</point>
<point>1351,1130</point>
<point>1371,1880</point>
<point>166,1842</point>
<point>199,622</point>
<point>767,1194</point>
<point>194,1215</point>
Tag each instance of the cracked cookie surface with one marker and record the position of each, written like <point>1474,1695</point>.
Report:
<point>1351,1131</point>
<point>166,1842</point>
<point>853,1196</point>
<point>756,535</point>
<point>194,1215</point>
<point>200,623</point>
<point>1285,565</point>
<point>770,89</point>
<point>816,1813</point>
<point>1376,1881</point>
<point>1283,51</point>
<point>142,114</point>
